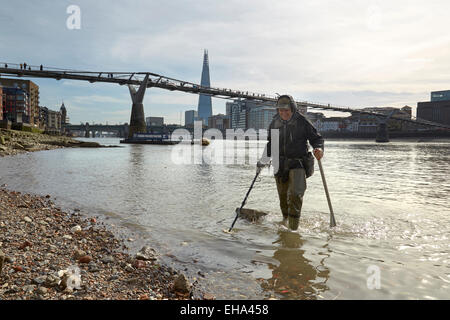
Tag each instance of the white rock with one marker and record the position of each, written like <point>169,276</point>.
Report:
<point>68,237</point>
<point>61,273</point>
<point>27,219</point>
<point>76,229</point>
<point>129,268</point>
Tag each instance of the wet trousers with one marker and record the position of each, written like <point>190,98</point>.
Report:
<point>291,196</point>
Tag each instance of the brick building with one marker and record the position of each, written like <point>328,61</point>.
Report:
<point>32,91</point>
<point>16,106</point>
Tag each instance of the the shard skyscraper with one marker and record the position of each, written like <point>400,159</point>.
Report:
<point>204,101</point>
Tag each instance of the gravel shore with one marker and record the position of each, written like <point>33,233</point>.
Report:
<point>14,142</point>
<point>49,254</point>
<point>46,253</point>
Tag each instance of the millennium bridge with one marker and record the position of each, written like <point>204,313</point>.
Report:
<point>144,80</point>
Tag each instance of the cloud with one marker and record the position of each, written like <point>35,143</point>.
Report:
<point>352,53</point>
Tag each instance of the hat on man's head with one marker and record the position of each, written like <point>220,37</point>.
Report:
<point>285,102</point>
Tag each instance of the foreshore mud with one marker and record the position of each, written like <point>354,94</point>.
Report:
<point>14,142</point>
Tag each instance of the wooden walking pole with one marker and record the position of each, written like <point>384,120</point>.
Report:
<point>332,220</point>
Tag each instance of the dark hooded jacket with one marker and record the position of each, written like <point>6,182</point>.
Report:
<point>293,135</point>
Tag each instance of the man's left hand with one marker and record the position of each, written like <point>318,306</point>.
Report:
<point>318,153</point>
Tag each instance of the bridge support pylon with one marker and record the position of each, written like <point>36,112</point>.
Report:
<point>137,120</point>
<point>86,132</point>
<point>382,132</point>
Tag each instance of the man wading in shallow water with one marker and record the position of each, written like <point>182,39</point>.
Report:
<point>294,132</point>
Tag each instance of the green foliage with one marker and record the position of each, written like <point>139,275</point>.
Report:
<point>27,129</point>
<point>36,130</point>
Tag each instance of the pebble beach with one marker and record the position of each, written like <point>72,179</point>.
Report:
<point>50,254</point>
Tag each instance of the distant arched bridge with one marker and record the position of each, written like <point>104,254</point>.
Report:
<point>90,129</point>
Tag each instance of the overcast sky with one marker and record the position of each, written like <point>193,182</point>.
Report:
<point>347,53</point>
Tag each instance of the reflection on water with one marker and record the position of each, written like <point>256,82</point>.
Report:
<point>390,201</point>
<point>295,277</point>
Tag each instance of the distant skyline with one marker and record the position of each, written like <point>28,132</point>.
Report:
<point>357,53</point>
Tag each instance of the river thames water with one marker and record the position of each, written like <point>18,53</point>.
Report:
<point>391,203</point>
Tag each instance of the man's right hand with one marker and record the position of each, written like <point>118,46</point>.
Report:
<point>260,164</point>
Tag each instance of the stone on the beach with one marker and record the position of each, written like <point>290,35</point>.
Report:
<point>52,280</point>
<point>129,268</point>
<point>2,260</point>
<point>132,281</point>
<point>108,259</point>
<point>76,229</point>
<point>42,290</point>
<point>139,264</point>
<point>25,244</point>
<point>181,284</point>
<point>78,254</point>
<point>146,254</point>
<point>61,273</point>
<point>93,267</point>
<point>85,259</point>
<point>67,290</point>
<point>208,296</point>
<point>18,269</point>
<point>28,219</point>
<point>29,288</point>
<point>17,145</point>
<point>39,280</point>
<point>29,146</point>
<point>68,237</point>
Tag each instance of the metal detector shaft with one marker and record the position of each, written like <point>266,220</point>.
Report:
<point>245,199</point>
<point>332,220</point>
